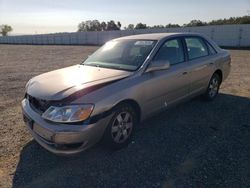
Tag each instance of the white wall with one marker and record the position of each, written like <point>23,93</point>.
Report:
<point>223,35</point>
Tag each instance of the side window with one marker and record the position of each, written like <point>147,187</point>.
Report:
<point>171,51</point>
<point>196,47</point>
<point>211,49</point>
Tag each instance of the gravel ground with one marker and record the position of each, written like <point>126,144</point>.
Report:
<point>196,144</point>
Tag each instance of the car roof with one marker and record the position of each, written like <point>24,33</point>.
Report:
<point>157,36</point>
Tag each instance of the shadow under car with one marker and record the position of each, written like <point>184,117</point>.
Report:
<point>196,144</point>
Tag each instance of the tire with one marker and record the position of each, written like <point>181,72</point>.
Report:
<point>121,127</point>
<point>213,87</point>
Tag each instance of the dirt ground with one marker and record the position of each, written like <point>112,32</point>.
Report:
<point>196,144</point>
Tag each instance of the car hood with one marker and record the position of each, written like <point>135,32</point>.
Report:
<point>58,84</point>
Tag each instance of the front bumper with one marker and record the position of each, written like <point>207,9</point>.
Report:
<point>62,139</point>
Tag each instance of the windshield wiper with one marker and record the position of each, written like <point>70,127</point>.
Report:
<point>108,67</point>
<point>92,65</point>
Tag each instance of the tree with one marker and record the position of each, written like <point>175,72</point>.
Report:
<point>89,25</point>
<point>232,20</point>
<point>130,27</point>
<point>104,26</point>
<point>172,25</point>
<point>194,23</point>
<point>95,25</point>
<point>119,25</point>
<point>157,26</point>
<point>244,20</point>
<point>5,29</point>
<point>141,26</point>
<point>111,25</point>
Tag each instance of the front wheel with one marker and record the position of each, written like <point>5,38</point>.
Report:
<point>121,127</point>
<point>213,87</point>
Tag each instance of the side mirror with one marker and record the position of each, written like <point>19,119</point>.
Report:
<point>158,65</point>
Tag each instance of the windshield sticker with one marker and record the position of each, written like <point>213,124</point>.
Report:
<point>144,43</point>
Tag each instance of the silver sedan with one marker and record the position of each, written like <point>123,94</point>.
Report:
<point>124,82</point>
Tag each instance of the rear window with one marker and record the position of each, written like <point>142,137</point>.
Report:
<point>196,47</point>
<point>212,51</point>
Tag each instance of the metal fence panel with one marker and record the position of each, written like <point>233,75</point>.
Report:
<point>224,35</point>
<point>91,38</point>
<point>244,36</point>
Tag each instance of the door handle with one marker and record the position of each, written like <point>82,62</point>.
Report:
<point>184,73</point>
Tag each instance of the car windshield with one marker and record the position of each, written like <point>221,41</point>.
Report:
<point>123,54</point>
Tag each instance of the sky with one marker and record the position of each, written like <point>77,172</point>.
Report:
<point>50,16</point>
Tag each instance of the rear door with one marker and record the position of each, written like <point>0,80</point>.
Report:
<point>200,63</point>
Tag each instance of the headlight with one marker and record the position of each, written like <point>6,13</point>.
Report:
<point>68,114</point>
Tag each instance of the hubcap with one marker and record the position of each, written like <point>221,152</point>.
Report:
<point>122,127</point>
<point>213,87</point>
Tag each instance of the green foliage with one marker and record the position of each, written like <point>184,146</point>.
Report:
<point>172,25</point>
<point>5,29</point>
<point>141,26</point>
<point>144,26</point>
<point>111,25</point>
<point>194,23</point>
<point>232,20</point>
<point>90,25</point>
<point>157,26</point>
<point>130,27</point>
<point>95,25</point>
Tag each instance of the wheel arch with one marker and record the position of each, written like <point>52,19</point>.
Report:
<point>219,72</point>
<point>134,105</point>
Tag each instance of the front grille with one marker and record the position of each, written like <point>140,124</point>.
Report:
<point>38,105</point>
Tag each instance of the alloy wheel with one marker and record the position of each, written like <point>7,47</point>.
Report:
<point>122,127</point>
<point>213,87</point>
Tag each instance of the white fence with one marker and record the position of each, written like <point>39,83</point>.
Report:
<point>223,35</point>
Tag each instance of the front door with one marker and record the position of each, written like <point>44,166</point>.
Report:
<point>166,86</point>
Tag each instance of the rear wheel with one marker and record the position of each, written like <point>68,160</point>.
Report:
<point>213,87</point>
<point>121,127</point>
